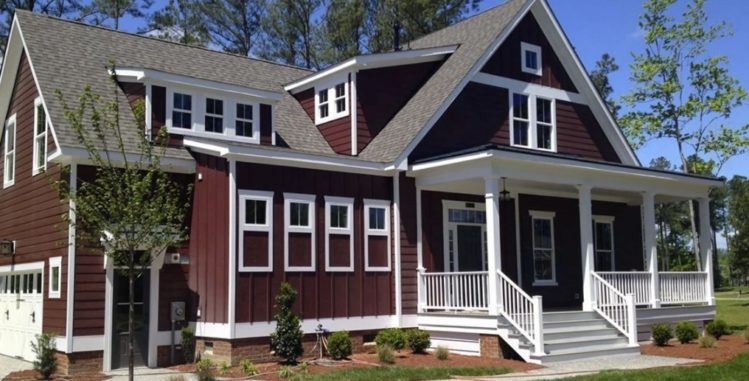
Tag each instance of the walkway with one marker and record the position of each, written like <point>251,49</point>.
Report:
<point>156,374</point>
<point>9,365</point>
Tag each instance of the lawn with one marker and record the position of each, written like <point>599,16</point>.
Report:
<point>402,373</point>
<point>736,369</point>
<point>733,308</point>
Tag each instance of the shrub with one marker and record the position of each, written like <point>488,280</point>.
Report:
<point>686,331</point>
<point>248,368</point>
<point>286,340</point>
<point>304,368</point>
<point>203,368</point>
<point>417,340</point>
<point>441,353</point>
<point>707,341</point>
<point>746,335</point>
<point>285,372</point>
<point>188,344</point>
<point>224,368</point>
<point>717,328</point>
<point>392,337</point>
<point>44,348</point>
<point>339,345</point>
<point>661,334</point>
<point>385,354</point>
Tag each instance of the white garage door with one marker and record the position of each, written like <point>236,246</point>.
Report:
<point>21,301</point>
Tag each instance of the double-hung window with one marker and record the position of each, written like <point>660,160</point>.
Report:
<point>40,138</point>
<point>255,231</point>
<point>299,239</point>
<point>243,124</point>
<point>339,234</point>
<point>542,228</point>
<point>331,101</point>
<point>376,235</point>
<point>214,115</point>
<point>182,110</point>
<point>533,122</point>
<point>55,277</point>
<point>9,165</point>
<point>604,242</point>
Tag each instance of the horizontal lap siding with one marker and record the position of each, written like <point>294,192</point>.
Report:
<point>321,294</point>
<point>31,210</point>
<point>336,132</point>
<point>579,134</point>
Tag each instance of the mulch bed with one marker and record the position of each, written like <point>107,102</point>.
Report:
<point>26,375</point>
<point>725,349</point>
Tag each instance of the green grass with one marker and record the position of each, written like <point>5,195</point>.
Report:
<point>736,369</point>
<point>402,373</point>
<point>734,312</point>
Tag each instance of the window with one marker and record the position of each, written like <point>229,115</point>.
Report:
<point>533,122</point>
<point>331,100</point>
<point>9,172</point>
<point>299,239</point>
<point>214,115</point>
<point>603,238</point>
<point>544,272</point>
<point>255,231</point>
<point>340,98</point>
<point>376,235</point>
<point>530,58</point>
<point>40,138</point>
<point>182,111</point>
<point>339,238</point>
<point>323,107</point>
<point>243,123</point>
<point>55,277</point>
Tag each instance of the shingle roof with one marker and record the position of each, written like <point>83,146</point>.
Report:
<point>67,56</point>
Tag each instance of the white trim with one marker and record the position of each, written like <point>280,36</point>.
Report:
<point>70,300</point>
<point>35,170</point>
<point>39,265</point>
<point>548,216</point>
<point>419,234</point>
<point>265,227</point>
<point>515,86</point>
<point>447,226</point>
<point>108,316</point>
<point>516,205</point>
<point>368,231</point>
<point>153,310</point>
<point>232,270</point>
<point>9,172</point>
<point>533,123</point>
<point>600,219</point>
<point>55,262</point>
<point>397,247</point>
<point>69,155</point>
<point>526,47</point>
<point>347,202</point>
<point>305,199</point>
<point>328,87</point>
<point>354,117</point>
<point>149,110</point>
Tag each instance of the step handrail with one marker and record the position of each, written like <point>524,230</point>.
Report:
<point>617,308</point>
<point>524,312</point>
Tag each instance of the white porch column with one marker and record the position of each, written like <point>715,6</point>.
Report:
<point>586,244</point>
<point>420,270</point>
<point>651,247</point>
<point>706,248</point>
<point>494,258</point>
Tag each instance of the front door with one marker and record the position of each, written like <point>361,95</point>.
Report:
<point>120,320</point>
<point>465,236</point>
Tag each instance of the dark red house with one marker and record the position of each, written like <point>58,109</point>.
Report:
<point>473,185</point>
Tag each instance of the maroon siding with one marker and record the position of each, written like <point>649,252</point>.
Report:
<point>628,244</point>
<point>336,132</point>
<point>579,134</point>
<point>506,61</point>
<point>266,124</point>
<point>321,294</point>
<point>408,244</point>
<point>30,210</point>
<point>173,287</point>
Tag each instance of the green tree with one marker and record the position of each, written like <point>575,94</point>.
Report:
<point>343,30</point>
<point>682,93</point>
<point>234,25</point>
<point>59,8</point>
<point>101,12</point>
<point>291,32</point>
<point>600,78</point>
<point>673,238</point>
<point>179,21</point>
<point>286,340</point>
<point>132,207</point>
<point>738,218</point>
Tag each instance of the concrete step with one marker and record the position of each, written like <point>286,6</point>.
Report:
<point>574,332</point>
<point>569,315</point>
<point>592,323</point>
<point>586,352</point>
<point>553,346</point>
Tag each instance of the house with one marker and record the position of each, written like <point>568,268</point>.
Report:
<point>473,185</point>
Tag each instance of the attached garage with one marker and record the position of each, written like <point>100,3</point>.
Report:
<point>21,306</point>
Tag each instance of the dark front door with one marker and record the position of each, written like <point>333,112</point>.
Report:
<point>140,320</point>
<point>470,248</point>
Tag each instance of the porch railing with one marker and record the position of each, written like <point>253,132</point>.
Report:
<point>455,291</point>
<point>524,312</point>
<point>638,283</point>
<point>617,308</point>
<point>679,287</point>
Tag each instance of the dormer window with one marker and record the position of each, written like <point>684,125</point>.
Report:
<point>214,115</point>
<point>244,120</point>
<point>533,122</point>
<point>530,58</point>
<point>331,101</point>
<point>182,111</point>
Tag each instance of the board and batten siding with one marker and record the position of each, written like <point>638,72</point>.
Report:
<point>31,209</point>
<point>408,242</point>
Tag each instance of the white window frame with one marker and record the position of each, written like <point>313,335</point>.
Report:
<point>533,122</point>
<point>309,200</point>
<point>255,123</point>
<point>349,230</point>
<point>526,47</point>
<point>543,215</point>
<point>222,116</point>
<point>9,172</point>
<point>329,87</point>
<point>599,219</point>
<point>368,232</point>
<point>43,136</point>
<point>55,262</point>
<point>267,227</point>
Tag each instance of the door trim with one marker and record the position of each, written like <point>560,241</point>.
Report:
<point>447,226</point>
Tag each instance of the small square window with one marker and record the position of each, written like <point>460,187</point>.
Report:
<point>182,111</point>
<point>255,212</point>
<point>339,216</point>
<point>299,214</point>
<point>376,218</point>
<point>530,59</point>
<point>243,124</point>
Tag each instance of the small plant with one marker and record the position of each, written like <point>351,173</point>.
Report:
<point>339,345</point>
<point>248,368</point>
<point>286,340</point>
<point>304,367</point>
<point>746,335</point>
<point>441,353</point>
<point>203,369</point>
<point>224,368</point>
<point>417,340</point>
<point>392,337</point>
<point>661,334</point>
<point>188,344</point>
<point>385,354</point>
<point>717,328</point>
<point>707,341</point>
<point>285,372</point>
<point>686,332</point>
<point>44,348</point>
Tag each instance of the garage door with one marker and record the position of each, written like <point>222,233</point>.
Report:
<point>21,302</point>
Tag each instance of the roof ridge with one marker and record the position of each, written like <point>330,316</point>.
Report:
<point>130,34</point>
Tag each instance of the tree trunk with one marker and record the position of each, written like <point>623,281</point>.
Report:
<point>130,317</point>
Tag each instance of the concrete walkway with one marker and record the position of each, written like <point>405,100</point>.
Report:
<point>156,374</point>
<point>9,365</point>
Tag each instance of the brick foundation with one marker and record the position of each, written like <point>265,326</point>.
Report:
<point>490,346</point>
<point>163,358</point>
<point>80,362</point>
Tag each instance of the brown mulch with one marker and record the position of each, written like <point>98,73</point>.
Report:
<point>725,349</point>
<point>27,375</point>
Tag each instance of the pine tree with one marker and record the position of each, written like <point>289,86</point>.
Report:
<point>103,12</point>
<point>286,340</point>
<point>343,30</point>
<point>179,21</point>
<point>234,25</point>
<point>291,32</point>
<point>600,78</point>
<point>58,8</point>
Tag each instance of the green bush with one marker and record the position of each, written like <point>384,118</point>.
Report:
<point>304,368</point>
<point>686,331</point>
<point>224,368</point>
<point>385,354</point>
<point>203,368</point>
<point>44,348</point>
<point>188,345</point>
<point>417,340</point>
<point>707,341</point>
<point>248,368</point>
<point>285,372</point>
<point>746,335</point>
<point>661,334</point>
<point>339,345</point>
<point>441,353</point>
<point>717,328</point>
<point>286,340</point>
<point>392,337</point>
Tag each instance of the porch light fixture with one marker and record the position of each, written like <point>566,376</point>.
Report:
<point>7,247</point>
<point>504,195</point>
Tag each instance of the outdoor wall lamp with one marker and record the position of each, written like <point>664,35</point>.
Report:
<point>504,195</point>
<point>7,247</point>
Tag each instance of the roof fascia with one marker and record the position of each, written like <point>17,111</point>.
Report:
<point>69,155</point>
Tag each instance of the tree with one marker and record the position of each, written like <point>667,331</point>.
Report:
<point>234,25</point>
<point>286,340</point>
<point>738,189</point>
<point>179,21</point>
<point>343,30</point>
<point>600,78</point>
<point>100,12</point>
<point>132,206</point>
<point>57,8</point>
<point>673,238</point>
<point>683,94</point>
<point>290,30</point>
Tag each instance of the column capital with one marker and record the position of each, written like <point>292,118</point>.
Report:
<point>584,188</point>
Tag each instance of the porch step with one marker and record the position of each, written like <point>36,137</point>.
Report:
<point>569,316</point>
<point>589,323</point>
<point>555,346</point>
<point>587,352</point>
